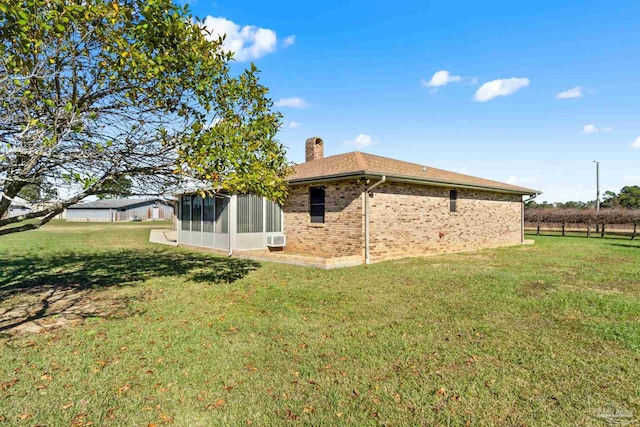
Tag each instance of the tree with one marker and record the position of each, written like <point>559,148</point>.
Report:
<point>119,187</point>
<point>610,200</point>
<point>95,90</point>
<point>574,205</point>
<point>532,204</point>
<point>38,191</point>
<point>629,197</point>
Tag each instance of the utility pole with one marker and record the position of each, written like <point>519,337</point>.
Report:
<point>597,193</point>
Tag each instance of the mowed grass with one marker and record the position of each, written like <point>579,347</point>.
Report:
<point>547,334</point>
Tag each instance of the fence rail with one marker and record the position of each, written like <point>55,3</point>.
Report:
<point>617,221</point>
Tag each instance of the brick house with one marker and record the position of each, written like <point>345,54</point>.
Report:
<point>357,208</point>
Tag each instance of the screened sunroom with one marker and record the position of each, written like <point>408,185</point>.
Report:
<point>229,222</point>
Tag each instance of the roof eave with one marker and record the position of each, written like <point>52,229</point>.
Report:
<point>127,206</point>
<point>409,180</point>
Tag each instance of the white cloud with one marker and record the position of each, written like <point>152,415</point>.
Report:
<point>636,143</point>
<point>527,180</point>
<point>440,78</point>
<point>293,102</point>
<point>630,179</point>
<point>590,129</point>
<point>294,125</point>
<point>361,141</point>
<point>463,171</point>
<point>289,41</point>
<point>248,42</point>
<point>593,129</point>
<point>575,92</point>
<point>500,87</point>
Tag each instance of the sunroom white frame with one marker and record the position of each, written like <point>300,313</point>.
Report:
<point>232,240</point>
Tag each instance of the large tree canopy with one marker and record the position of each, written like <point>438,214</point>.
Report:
<point>629,197</point>
<point>94,91</point>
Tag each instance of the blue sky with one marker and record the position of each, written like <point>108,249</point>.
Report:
<point>523,92</point>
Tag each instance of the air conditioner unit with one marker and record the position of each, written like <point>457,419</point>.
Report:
<point>276,241</point>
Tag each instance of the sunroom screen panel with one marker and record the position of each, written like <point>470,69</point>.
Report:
<point>250,214</point>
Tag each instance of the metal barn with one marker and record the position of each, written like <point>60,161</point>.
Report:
<point>115,210</point>
<point>19,206</point>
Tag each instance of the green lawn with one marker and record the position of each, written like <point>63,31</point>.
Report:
<point>547,334</point>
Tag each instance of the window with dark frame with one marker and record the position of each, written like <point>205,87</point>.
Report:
<point>316,205</point>
<point>453,199</point>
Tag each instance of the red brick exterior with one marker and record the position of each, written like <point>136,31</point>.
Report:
<point>342,234</point>
<point>314,149</point>
<point>405,220</point>
<point>414,220</point>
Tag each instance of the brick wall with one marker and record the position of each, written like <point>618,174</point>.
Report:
<point>413,220</point>
<point>342,234</point>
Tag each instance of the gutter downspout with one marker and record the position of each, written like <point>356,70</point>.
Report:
<point>367,192</point>
<point>531,197</point>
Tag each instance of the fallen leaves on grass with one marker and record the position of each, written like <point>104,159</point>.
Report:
<point>166,418</point>
<point>79,421</point>
<point>291,415</point>
<point>217,404</point>
<point>7,385</point>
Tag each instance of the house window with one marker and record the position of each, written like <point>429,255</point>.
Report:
<point>186,213</point>
<point>249,213</point>
<point>453,201</point>
<point>196,213</point>
<point>316,204</point>
<point>274,217</point>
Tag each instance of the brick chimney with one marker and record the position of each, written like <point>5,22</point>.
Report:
<point>314,149</point>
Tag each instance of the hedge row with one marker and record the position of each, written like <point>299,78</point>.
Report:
<point>583,216</point>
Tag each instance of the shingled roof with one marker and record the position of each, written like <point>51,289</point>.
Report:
<point>362,165</point>
<point>115,203</point>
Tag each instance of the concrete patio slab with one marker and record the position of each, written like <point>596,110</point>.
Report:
<point>164,237</point>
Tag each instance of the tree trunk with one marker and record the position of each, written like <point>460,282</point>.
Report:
<point>538,230</point>
<point>10,191</point>
<point>563,229</point>
<point>635,227</point>
<point>588,230</point>
<point>602,233</point>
